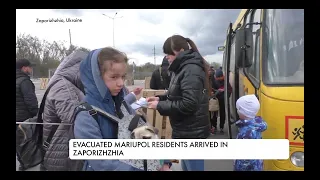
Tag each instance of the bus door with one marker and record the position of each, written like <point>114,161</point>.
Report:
<point>226,65</point>
<point>251,82</point>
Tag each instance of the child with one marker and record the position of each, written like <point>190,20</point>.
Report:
<point>102,74</point>
<point>250,127</point>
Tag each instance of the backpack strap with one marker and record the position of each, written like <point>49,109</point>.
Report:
<point>87,107</point>
<point>94,111</point>
<point>145,165</point>
<point>40,120</point>
<point>135,121</point>
<point>49,138</point>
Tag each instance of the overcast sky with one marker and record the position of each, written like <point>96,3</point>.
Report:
<point>136,31</point>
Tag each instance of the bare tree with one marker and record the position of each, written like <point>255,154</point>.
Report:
<point>48,55</point>
<point>43,54</point>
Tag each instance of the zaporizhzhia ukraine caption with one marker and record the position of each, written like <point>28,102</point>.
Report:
<point>178,149</point>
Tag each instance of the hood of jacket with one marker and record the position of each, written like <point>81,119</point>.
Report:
<point>94,86</point>
<point>257,124</point>
<point>165,62</point>
<point>69,68</point>
<point>184,58</point>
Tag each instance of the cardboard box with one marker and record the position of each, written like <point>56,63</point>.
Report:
<point>147,82</point>
<point>162,123</point>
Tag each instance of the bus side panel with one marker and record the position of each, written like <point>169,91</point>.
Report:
<point>283,118</point>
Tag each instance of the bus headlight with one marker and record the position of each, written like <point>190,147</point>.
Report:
<point>297,159</point>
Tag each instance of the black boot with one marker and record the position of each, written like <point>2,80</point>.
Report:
<point>221,131</point>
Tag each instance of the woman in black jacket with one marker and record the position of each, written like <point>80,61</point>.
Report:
<point>187,99</point>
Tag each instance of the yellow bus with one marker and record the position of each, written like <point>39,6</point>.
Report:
<point>264,55</point>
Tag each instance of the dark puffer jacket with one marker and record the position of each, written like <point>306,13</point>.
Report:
<point>60,105</point>
<point>26,100</point>
<point>161,80</point>
<point>186,102</point>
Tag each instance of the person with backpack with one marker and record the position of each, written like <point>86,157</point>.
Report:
<point>102,74</point>
<point>26,99</point>
<point>62,99</point>
<point>160,78</point>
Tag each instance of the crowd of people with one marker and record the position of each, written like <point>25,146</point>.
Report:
<point>97,78</point>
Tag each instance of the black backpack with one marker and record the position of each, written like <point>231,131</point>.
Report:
<point>29,138</point>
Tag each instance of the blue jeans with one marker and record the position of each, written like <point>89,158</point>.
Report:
<point>192,165</point>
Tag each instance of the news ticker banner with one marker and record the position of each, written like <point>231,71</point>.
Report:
<point>98,149</point>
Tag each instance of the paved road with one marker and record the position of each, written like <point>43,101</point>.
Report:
<point>220,165</point>
<point>39,93</point>
<point>210,165</point>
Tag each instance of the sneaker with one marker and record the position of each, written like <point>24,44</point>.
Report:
<point>213,131</point>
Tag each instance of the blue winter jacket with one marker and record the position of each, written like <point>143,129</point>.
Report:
<point>250,129</point>
<point>85,126</point>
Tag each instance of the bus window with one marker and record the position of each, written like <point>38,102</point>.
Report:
<point>284,35</point>
<point>254,70</point>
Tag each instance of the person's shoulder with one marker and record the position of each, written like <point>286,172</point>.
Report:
<point>156,71</point>
<point>83,118</point>
<point>26,83</point>
<point>245,132</point>
<point>85,126</point>
<point>62,89</point>
<point>25,80</point>
<point>193,69</point>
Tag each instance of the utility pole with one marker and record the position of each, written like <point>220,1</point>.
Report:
<point>70,37</point>
<point>113,18</point>
<point>154,54</point>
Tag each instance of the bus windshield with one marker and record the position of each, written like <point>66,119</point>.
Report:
<point>284,32</point>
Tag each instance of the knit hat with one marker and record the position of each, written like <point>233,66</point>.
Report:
<point>248,106</point>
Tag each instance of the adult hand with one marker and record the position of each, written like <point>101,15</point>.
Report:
<point>137,90</point>
<point>153,105</point>
<point>149,99</point>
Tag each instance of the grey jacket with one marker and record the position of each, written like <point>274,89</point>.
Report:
<point>60,105</point>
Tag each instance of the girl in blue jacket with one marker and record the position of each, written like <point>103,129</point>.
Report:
<point>102,74</point>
